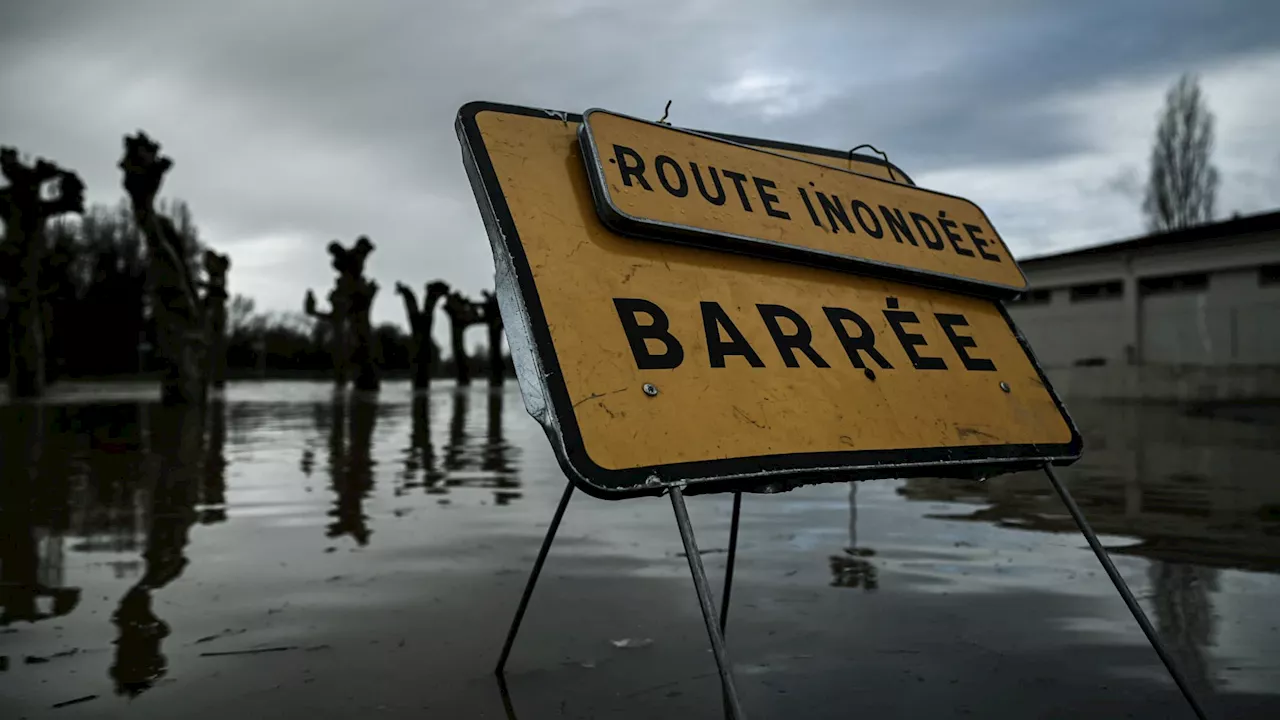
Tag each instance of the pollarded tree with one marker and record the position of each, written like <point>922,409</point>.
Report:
<point>25,208</point>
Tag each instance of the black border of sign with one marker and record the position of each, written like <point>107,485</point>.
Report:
<point>751,474</point>
<point>624,223</point>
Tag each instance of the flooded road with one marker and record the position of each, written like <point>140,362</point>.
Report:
<point>288,554</point>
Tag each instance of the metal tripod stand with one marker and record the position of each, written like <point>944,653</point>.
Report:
<point>716,622</point>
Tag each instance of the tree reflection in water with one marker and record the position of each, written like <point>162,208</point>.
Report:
<point>497,454</point>
<point>350,462</point>
<point>465,460</point>
<point>175,482</point>
<point>30,566</point>
<point>420,455</point>
<point>455,451</point>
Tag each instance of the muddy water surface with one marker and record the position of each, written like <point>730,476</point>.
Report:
<point>295,555</point>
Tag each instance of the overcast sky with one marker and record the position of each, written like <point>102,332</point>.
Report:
<point>294,122</point>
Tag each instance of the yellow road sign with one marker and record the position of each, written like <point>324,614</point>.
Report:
<point>652,180</point>
<point>652,362</point>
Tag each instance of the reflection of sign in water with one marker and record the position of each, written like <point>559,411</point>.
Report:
<point>656,181</point>
<point>852,569</point>
<point>654,363</point>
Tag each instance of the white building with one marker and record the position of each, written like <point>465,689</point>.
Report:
<point>1206,297</point>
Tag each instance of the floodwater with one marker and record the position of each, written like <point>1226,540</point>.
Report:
<point>295,555</point>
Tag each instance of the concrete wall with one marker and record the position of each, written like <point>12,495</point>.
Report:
<point>1062,332</point>
<point>1167,383</point>
<point>1234,321</point>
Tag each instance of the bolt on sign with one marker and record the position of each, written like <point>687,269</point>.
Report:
<point>651,362</point>
<point>654,181</point>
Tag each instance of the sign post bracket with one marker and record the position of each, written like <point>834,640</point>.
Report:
<point>1125,593</point>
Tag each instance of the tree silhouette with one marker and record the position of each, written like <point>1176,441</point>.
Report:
<point>215,312</point>
<point>348,317</point>
<point>1183,184</point>
<point>176,306</point>
<point>463,313</point>
<point>24,210</point>
<point>421,322</point>
<point>492,316</point>
<point>95,294</point>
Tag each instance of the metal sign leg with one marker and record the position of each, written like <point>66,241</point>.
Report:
<point>507,706</point>
<point>1126,593</point>
<point>728,582</point>
<point>533,577</point>
<point>703,588</point>
<point>733,554</point>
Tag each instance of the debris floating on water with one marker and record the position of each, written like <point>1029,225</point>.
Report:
<point>76,701</point>
<point>626,643</point>
<point>225,633</point>
<point>255,651</point>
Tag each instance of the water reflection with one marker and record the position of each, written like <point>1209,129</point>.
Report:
<point>212,501</point>
<point>1184,614</point>
<point>174,484</point>
<point>455,451</point>
<point>350,424</point>
<point>31,554</point>
<point>466,460</point>
<point>420,455</point>
<point>497,454</point>
<point>1181,603</point>
<point>127,482</point>
<point>852,569</point>
<point>119,479</point>
<point>1196,495</point>
<point>1188,489</point>
<point>110,497</point>
<point>108,516</point>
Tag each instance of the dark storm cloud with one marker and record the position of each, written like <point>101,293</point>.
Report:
<point>293,122</point>
<point>980,107</point>
<point>324,119</point>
